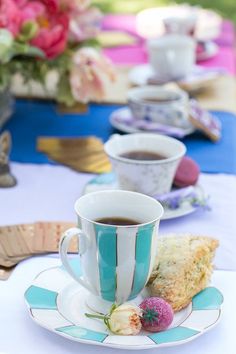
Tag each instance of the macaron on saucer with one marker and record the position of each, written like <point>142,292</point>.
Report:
<point>178,202</point>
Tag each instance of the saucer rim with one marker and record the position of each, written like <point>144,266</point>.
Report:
<point>127,129</point>
<point>183,84</point>
<point>145,346</point>
<point>191,210</point>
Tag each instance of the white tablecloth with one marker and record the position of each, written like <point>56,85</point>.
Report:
<point>20,335</point>
<point>46,192</point>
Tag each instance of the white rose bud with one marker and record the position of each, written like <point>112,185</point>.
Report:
<point>125,320</point>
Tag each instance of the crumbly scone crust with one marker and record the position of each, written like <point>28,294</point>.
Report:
<point>183,267</point>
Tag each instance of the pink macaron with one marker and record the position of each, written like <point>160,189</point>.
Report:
<point>187,173</point>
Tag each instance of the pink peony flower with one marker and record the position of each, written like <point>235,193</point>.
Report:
<point>53,23</point>
<point>52,42</point>
<point>52,35</point>
<point>84,25</point>
<point>31,11</point>
<point>10,16</point>
<point>53,6</point>
<point>51,18</point>
<point>86,76</point>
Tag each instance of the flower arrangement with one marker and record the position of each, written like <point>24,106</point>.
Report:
<point>40,36</point>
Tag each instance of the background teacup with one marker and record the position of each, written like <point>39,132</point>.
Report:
<point>148,177</point>
<point>172,56</point>
<point>182,24</point>
<point>116,260</point>
<point>164,105</point>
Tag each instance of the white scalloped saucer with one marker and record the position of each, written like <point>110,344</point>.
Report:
<point>57,303</point>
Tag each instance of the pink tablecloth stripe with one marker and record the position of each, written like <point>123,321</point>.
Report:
<point>227,36</point>
<point>120,22</point>
<point>136,54</point>
<point>226,58</point>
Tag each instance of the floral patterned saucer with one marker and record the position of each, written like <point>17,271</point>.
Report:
<point>199,78</point>
<point>123,120</point>
<point>177,203</point>
<point>57,303</point>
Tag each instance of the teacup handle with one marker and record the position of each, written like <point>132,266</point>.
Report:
<point>63,250</point>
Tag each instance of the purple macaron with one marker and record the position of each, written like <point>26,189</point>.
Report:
<point>187,173</point>
<point>157,314</point>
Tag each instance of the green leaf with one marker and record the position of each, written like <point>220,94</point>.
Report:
<point>35,52</point>
<point>99,317</point>
<point>113,308</point>
<point>27,50</point>
<point>6,43</point>
<point>150,315</point>
<point>28,31</point>
<point>106,321</point>
<point>64,94</point>
<point>5,77</point>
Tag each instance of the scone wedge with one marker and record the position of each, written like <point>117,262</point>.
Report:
<point>183,267</point>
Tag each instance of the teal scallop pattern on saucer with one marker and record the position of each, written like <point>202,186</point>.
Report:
<point>42,301</point>
<point>39,298</point>
<point>173,335</point>
<point>208,299</point>
<point>104,178</point>
<point>82,333</point>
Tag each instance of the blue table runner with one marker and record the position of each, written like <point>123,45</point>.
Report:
<point>32,119</point>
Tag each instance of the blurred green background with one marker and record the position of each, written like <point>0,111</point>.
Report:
<point>226,8</point>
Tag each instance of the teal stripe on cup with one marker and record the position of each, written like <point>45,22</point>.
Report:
<point>142,258</point>
<point>107,259</point>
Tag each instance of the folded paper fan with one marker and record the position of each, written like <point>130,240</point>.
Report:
<point>80,154</point>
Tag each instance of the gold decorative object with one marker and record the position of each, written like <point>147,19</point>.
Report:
<point>80,154</point>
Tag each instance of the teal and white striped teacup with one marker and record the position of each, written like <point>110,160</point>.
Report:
<point>116,260</point>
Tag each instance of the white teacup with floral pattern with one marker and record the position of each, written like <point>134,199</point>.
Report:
<point>162,104</point>
<point>148,177</point>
